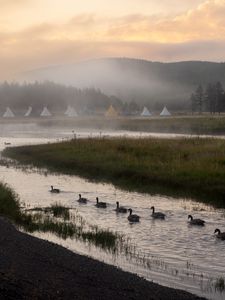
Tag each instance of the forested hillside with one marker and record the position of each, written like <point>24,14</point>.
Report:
<point>145,82</point>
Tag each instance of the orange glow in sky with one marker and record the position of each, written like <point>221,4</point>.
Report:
<point>39,33</point>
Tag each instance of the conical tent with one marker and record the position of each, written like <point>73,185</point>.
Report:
<point>29,110</point>
<point>165,112</point>
<point>145,112</point>
<point>8,113</point>
<point>45,112</point>
<point>71,112</point>
<point>67,110</point>
<point>111,112</point>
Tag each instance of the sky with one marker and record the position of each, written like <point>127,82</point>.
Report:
<point>41,33</point>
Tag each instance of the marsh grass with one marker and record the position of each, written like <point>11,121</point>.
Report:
<point>192,124</point>
<point>48,220</point>
<point>188,167</point>
<point>220,284</point>
<point>60,211</point>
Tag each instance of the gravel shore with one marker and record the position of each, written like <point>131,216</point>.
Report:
<point>32,268</point>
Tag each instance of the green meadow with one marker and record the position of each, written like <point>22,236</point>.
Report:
<point>187,167</point>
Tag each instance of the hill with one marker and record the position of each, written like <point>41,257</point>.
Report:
<point>146,82</point>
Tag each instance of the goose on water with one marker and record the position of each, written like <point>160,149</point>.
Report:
<point>120,209</point>
<point>54,190</point>
<point>100,204</point>
<point>220,235</point>
<point>199,222</point>
<point>157,215</point>
<point>132,217</point>
<point>82,200</point>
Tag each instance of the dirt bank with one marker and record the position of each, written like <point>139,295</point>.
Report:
<point>31,268</point>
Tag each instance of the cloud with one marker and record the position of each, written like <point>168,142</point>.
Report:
<point>196,34</point>
<point>9,3</point>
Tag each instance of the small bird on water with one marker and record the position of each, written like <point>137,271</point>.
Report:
<point>53,190</point>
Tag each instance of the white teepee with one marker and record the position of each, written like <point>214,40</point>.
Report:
<point>8,113</point>
<point>145,112</point>
<point>67,110</point>
<point>27,114</point>
<point>71,112</point>
<point>45,112</point>
<point>165,112</point>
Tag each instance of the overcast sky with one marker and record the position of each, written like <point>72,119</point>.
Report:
<point>40,33</point>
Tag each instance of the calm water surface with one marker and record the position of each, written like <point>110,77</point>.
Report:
<point>180,255</point>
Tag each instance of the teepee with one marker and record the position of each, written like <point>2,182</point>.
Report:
<point>28,112</point>
<point>165,112</point>
<point>111,112</point>
<point>8,113</point>
<point>71,112</point>
<point>145,112</point>
<point>45,112</point>
<point>67,110</point>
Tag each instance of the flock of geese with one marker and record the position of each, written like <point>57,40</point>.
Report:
<point>135,218</point>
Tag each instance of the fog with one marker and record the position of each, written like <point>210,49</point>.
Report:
<point>147,83</point>
<point>130,80</point>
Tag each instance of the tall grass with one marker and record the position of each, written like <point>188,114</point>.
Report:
<point>192,124</point>
<point>47,220</point>
<point>190,167</point>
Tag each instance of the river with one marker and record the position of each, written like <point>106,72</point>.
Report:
<point>178,255</point>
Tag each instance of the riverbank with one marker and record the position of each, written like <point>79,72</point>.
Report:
<point>31,268</point>
<point>204,124</point>
<point>189,167</point>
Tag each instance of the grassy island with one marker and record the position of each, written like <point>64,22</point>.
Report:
<point>190,167</point>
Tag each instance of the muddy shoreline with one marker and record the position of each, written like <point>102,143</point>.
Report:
<point>31,268</point>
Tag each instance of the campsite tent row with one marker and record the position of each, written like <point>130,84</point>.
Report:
<point>147,113</point>
<point>70,112</point>
<point>9,114</point>
<point>111,112</point>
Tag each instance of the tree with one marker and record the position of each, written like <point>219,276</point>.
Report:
<point>199,98</point>
<point>219,99</point>
<point>193,103</point>
<point>210,98</point>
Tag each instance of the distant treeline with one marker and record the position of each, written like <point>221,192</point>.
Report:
<point>209,99</point>
<point>57,97</point>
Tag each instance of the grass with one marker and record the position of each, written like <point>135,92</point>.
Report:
<point>188,167</point>
<point>47,220</point>
<point>186,124</point>
<point>60,211</point>
<point>220,284</point>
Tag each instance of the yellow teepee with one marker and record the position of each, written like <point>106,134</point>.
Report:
<point>111,112</point>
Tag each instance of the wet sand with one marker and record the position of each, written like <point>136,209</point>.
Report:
<point>31,268</point>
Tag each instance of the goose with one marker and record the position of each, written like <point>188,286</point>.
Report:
<point>54,190</point>
<point>100,204</point>
<point>220,235</point>
<point>132,218</point>
<point>120,209</point>
<point>82,200</point>
<point>157,215</point>
<point>199,222</point>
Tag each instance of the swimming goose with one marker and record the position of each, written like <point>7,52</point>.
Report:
<point>100,204</point>
<point>199,222</point>
<point>132,218</point>
<point>157,215</point>
<point>82,200</point>
<point>220,235</point>
<point>54,190</point>
<point>120,209</point>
